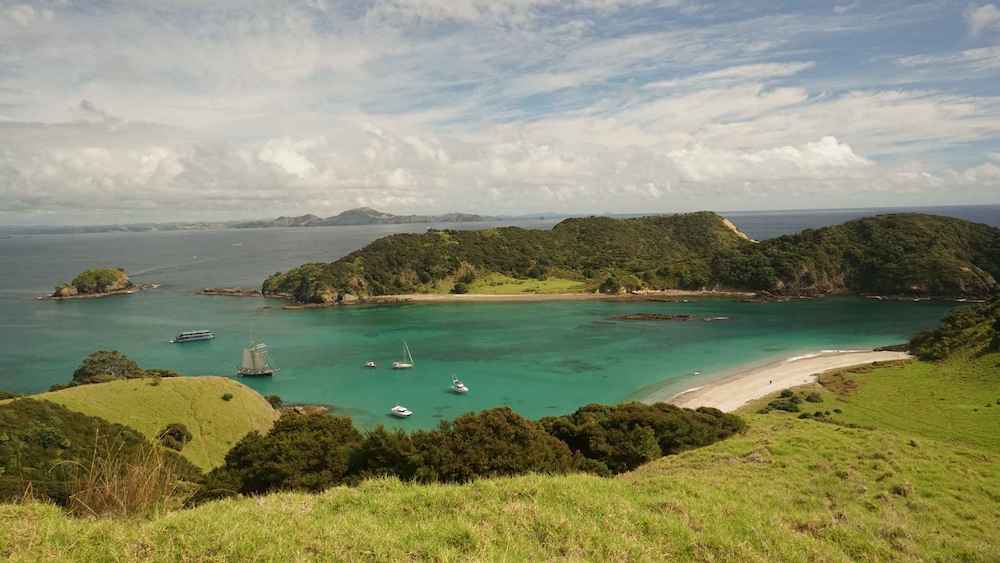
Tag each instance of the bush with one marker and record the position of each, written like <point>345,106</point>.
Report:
<point>814,397</point>
<point>227,396</point>
<point>301,452</point>
<point>106,365</point>
<point>786,393</point>
<point>316,452</point>
<point>622,437</point>
<point>786,405</point>
<point>175,436</point>
<point>459,288</point>
<point>276,401</point>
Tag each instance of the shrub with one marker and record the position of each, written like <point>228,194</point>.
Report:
<point>227,396</point>
<point>175,436</point>
<point>787,405</point>
<point>786,393</point>
<point>106,365</point>
<point>276,401</point>
<point>814,397</point>
<point>459,288</point>
<point>302,452</point>
<point>622,437</point>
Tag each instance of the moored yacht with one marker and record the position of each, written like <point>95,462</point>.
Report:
<point>256,362</point>
<point>192,336</point>
<point>409,359</point>
<point>370,364</point>
<point>458,387</point>
<point>399,411</point>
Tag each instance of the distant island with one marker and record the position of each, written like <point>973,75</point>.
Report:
<point>362,216</point>
<point>359,216</point>
<point>96,282</point>
<point>895,254</point>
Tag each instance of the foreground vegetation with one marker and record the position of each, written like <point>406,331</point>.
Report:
<point>150,405</point>
<point>898,254</point>
<point>788,489</point>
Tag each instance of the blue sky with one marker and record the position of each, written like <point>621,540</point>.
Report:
<point>118,111</point>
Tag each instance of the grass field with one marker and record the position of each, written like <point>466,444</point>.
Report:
<point>920,481</point>
<point>501,284</point>
<point>195,402</point>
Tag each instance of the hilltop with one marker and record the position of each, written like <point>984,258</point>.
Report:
<point>361,216</point>
<point>899,254</point>
<point>148,405</point>
<point>95,282</point>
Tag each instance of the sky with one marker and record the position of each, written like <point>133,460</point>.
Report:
<point>171,110</point>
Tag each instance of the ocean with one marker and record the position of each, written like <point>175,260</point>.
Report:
<point>539,358</point>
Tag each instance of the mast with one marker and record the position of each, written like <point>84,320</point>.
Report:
<point>408,354</point>
<point>247,359</point>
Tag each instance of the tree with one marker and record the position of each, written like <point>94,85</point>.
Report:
<point>175,436</point>
<point>302,452</point>
<point>106,365</point>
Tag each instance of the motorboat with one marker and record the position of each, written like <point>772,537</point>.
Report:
<point>370,364</point>
<point>458,387</point>
<point>399,411</point>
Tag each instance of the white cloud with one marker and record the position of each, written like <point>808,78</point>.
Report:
<point>982,18</point>
<point>168,109</point>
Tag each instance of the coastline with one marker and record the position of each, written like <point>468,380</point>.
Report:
<point>513,297</point>
<point>129,291</point>
<point>730,392</point>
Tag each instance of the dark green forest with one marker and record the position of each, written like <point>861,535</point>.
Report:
<point>896,254</point>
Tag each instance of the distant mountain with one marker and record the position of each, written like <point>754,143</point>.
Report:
<point>362,216</point>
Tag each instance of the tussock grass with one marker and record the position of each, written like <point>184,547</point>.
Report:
<point>115,483</point>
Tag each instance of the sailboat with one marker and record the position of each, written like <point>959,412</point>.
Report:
<point>458,387</point>
<point>407,364</point>
<point>256,361</point>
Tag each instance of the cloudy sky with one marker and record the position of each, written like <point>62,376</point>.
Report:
<point>136,110</point>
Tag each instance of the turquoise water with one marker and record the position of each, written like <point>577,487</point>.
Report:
<point>539,358</point>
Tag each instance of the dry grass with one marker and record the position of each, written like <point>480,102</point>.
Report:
<point>113,483</point>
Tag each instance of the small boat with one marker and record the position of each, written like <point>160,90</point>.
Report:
<point>458,387</point>
<point>256,362</point>
<point>399,411</point>
<point>370,364</point>
<point>407,364</point>
<point>192,336</point>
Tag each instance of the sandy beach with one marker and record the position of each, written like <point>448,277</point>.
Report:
<point>512,297</point>
<point>734,391</point>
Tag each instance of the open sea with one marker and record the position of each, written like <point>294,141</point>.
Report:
<point>539,358</point>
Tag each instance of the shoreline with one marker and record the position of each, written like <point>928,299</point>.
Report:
<point>130,291</point>
<point>730,392</point>
<point>513,297</point>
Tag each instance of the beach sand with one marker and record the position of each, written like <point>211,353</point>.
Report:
<point>734,391</point>
<point>511,297</point>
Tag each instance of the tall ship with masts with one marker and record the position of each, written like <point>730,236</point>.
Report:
<point>256,361</point>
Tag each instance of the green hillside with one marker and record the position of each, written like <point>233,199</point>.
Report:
<point>196,402</point>
<point>888,254</point>
<point>916,480</point>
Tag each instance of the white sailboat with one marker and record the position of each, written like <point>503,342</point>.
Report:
<point>399,411</point>
<point>458,387</point>
<point>256,361</point>
<point>407,364</point>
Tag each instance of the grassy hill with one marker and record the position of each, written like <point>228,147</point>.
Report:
<point>196,402</point>
<point>917,478</point>
<point>888,254</point>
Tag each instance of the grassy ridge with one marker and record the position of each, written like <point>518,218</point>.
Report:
<point>917,483</point>
<point>195,402</point>
<point>888,254</point>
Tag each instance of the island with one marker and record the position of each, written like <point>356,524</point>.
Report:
<point>905,254</point>
<point>97,282</point>
<point>361,216</point>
